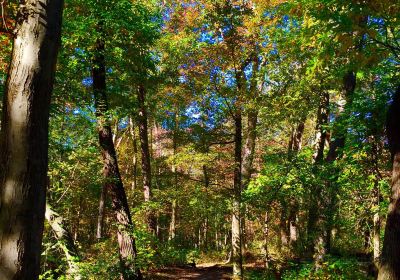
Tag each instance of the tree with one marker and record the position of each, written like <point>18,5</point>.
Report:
<point>24,143</point>
<point>146,165</point>
<point>112,176</point>
<point>390,258</point>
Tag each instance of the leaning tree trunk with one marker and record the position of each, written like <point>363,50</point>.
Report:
<point>24,137</point>
<point>112,176</point>
<point>236,205</point>
<point>146,166</point>
<point>390,257</point>
<point>65,241</point>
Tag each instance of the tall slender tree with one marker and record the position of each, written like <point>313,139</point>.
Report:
<point>146,161</point>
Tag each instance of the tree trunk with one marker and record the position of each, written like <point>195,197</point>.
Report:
<point>24,137</point>
<point>113,181</point>
<point>376,233</point>
<point>249,147</point>
<point>284,240</point>
<point>335,147</point>
<point>236,205</point>
<point>133,135</point>
<point>376,229</point>
<point>322,121</point>
<point>146,166</point>
<point>65,241</point>
<point>390,258</point>
<point>172,224</point>
<point>295,144</point>
<point>293,232</point>
<point>316,220</point>
<point>321,135</point>
<point>100,218</point>
<point>266,239</point>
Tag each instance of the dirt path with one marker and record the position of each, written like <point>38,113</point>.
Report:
<point>201,272</point>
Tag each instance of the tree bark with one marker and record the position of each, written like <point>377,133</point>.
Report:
<point>24,137</point>
<point>102,208</point>
<point>390,258</point>
<point>298,136</point>
<point>376,233</point>
<point>322,120</point>
<point>316,221</point>
<point>321,135</point>
<point>284,240</point>
<point>295,143</point>
<point>376,229</point>
<point>134,159</point>
<point>266,239</point>
<point>172,224</point>
<point>113,181</point>
<point>146,165</point>
<point>236,204</point>
<point>249,147</point>
<point>65,241</point>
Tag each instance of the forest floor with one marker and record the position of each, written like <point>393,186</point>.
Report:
<point>209,271</point>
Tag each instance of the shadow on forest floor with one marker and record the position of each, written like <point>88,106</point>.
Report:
<point>203,272</point>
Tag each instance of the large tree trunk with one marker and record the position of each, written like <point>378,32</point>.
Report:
<point>113,181</point>
<point>65,241</point>
<point>236,205</point>
<point>146,165</point>
<point>390,258</point>
<point>24,137</point>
